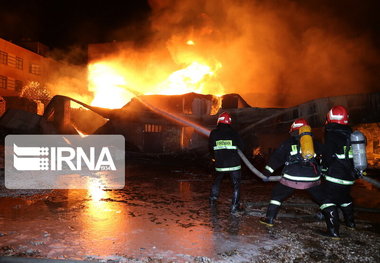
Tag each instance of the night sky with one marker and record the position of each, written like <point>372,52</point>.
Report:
<point>61,24</point>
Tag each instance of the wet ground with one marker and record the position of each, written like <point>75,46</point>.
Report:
<point>163,215</point>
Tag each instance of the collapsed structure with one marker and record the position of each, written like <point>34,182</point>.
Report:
<point>148,132</point>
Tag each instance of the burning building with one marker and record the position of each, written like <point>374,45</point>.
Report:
<point>149,127</point>
<point>143,120</point>
<point>152,132</point>
<point>198,51</point>
<point>229,48</point>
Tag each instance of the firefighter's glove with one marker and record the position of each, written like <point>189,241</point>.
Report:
<point>324,170</point>
<point>318,159</point>
<point>359,174</point>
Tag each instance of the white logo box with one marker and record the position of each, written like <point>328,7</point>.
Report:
<point>64,161</point>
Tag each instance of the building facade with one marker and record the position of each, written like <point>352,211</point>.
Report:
<point>20,67</point>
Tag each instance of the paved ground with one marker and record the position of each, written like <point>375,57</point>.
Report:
<point>163,215</point>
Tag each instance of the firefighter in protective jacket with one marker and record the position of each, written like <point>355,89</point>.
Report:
<point>339,171</point>
<point>298,173</point>
<point>223,144</point>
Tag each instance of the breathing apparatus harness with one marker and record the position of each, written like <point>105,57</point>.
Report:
<point>347,158</point>
<point>295,156</point>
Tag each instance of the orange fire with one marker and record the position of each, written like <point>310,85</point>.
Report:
<point>193,78</point>
<point>109,80</point>
<point>105,81</point>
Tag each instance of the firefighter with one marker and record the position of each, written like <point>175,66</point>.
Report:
<point>298,172</point>
<point>339,171</point>
<point>223,144</point>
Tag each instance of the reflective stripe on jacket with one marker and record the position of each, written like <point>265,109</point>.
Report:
<point>336,156</point>
<point>296,169</point>
<point>338,181</point>
<point>223,144</point>
<point>228,169</point>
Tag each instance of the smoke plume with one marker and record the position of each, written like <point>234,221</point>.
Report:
<point>68,77</point>
<point>273,53</point>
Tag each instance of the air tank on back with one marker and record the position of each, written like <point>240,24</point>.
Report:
<point>306,141</point>
<point>358,143</point>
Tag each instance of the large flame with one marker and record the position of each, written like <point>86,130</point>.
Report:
<point>109,81</point>
<point>105,81</point>
<point>190,79</point>
<point>273,55</point>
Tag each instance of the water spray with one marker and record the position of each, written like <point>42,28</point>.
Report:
<point>107,113</point>
<point>201,130</point>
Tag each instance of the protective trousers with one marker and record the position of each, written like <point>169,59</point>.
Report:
<point>235,179</point>
<point>282,192</point>
<point>339,196</point>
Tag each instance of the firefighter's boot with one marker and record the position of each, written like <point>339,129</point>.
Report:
<point>213,200</point>
<point>271,215</point>
<point>332,221</point>
<point>214,194</point>
<point>215,188</point>
<point>235,204</point>
<point>348,214</point>
<point>319,216</point>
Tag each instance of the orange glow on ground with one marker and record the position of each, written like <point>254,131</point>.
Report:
<point>96,192</point>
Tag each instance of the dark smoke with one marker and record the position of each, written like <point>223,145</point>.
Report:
<point>276,53</point>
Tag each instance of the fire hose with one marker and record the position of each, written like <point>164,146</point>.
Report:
<point>205,132</point>
<point>255,171</point>
<point>371,181</point>
<point>200,129</point>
